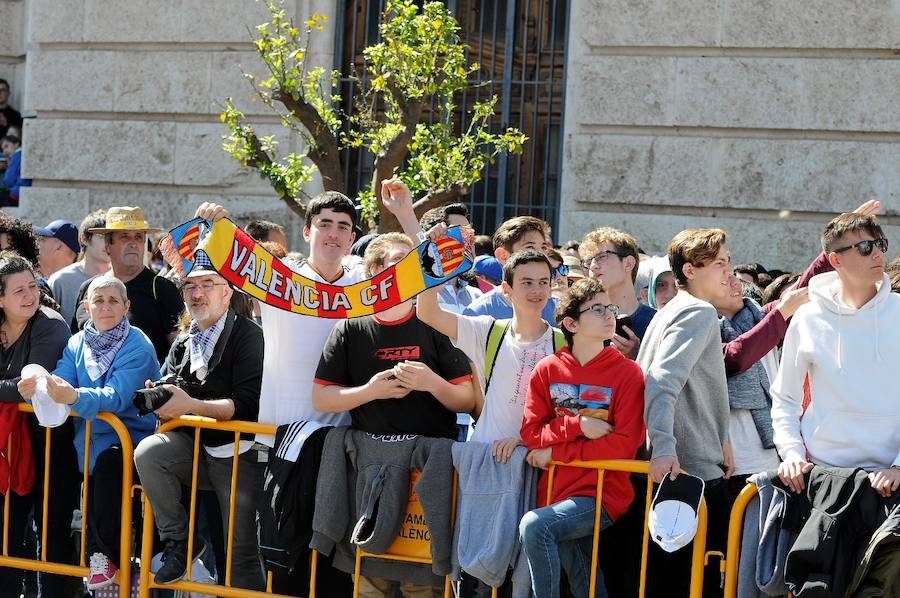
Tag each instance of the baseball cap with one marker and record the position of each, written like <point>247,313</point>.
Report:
<point>673,514</point>
<point>63,230</point>
<point>488,267</point>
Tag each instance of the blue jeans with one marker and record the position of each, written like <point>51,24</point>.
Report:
<point>560,535</point>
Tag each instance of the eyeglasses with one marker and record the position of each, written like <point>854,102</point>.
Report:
<point>206,286</point>
<point>865,247</point>
<point>602,310</point>
<point>560,270</point>
<point>599,257</point>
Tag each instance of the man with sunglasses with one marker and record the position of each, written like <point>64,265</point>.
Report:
<point>847,338</point>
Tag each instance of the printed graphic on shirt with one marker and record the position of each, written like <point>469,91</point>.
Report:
<point>398,353</point>
<point>581,399</point>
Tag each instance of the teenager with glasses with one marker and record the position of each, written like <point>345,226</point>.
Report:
<point>611,256</point>
<point>847,339</point>
<point>584,403</point>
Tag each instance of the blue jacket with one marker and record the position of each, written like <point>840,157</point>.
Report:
<point>12,178</point>
<point>133,364</point>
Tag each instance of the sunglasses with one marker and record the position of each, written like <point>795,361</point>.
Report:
<point>865,247</point>
<point>601,310</point>
<point>560,270</point>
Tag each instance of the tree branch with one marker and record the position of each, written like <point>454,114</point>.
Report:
<point>260,157</point>
<point>324,151</point>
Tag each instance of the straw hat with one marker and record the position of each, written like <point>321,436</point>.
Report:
<point>124,218</point>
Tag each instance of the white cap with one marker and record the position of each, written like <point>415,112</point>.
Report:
<point>673,515</point>
<point>50,414</point>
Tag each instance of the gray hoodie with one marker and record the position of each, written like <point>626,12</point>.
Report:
<point>362,495</point>
<point>493,497</point>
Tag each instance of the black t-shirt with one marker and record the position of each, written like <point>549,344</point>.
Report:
<point>13,119</point>
<point>156,307</point>
<point>359,348</point>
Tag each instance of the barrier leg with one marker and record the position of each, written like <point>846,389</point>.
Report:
<point>735,531</point>
<point>699,553</point>
<point>595,550</point>
<point>146,548</point>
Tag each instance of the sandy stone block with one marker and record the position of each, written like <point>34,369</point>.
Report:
<point>41,205</point>
<point>632,90</point>
<point>133,21</point>
<point>132,151</point>
<point>71,80</point>
<point>740,92</point>
<point>56,20</point>
<point>230,24</point>
<point>645,22</point>
<point>172,82</point>
<point>812,176</point>
<point>227,80</point>
<point>12,27</point>
<point>200,159</point>
<point>811,24</point>
<point>854,95</point>
<point>245,207</point>
<point>787,243</point>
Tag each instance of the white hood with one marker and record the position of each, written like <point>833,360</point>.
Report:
<point>852,356</point>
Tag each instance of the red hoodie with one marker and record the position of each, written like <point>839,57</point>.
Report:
<point>561,390</point>
<point>16,458</point>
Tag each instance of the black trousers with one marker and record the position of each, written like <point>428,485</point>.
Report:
<point>65,481</point>
<point>330,582</point>
<point>669,574</point>
<point>104,507</point>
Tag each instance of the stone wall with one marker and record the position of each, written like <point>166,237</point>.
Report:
<point>126,97</point>
<point>763,117</point>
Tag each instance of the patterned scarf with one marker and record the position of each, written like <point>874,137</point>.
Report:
<point>100,348</point>
<point>750,390</point>
<point>202,344</point>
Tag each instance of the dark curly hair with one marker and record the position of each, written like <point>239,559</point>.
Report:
<point>569,306</point>
<point>20,237</point>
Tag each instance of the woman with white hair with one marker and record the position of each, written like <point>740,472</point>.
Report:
<point>101,368</point>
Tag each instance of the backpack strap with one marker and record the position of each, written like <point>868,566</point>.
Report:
<point>495,340</point>
<point>492,348</point>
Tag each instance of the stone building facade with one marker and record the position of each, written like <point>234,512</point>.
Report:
<point>763,117</point>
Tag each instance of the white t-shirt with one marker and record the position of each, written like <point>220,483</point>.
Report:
<point>293,346</point>
<point>749,455</point>
<point>504,403</point>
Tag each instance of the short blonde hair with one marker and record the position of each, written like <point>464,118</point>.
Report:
<point>378,249</point>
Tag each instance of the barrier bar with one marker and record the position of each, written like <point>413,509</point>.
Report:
<point>635,466</point>
<point>735,532</point>
<point>147,582</point>
<point>80,570</point>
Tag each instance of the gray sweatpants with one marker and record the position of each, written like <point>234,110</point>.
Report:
<point>164,464</point>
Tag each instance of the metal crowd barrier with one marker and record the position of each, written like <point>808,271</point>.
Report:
<point>80,570</point>
<point>632,466</point>
<point>147,582</point>
<point>735,531</point>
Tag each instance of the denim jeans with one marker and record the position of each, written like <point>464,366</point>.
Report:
<point>560,535</point>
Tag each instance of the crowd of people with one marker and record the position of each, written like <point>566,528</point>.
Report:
<point>11,148</point>
<point>590,350</point>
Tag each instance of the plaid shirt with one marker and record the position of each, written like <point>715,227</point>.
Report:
<point>100,348</point>
<point>202,343</point>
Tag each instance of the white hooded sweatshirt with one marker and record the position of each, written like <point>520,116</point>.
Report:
<point>853,359</point>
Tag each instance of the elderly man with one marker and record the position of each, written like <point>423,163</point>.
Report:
<point>218,362</point>
<point>156,304</point>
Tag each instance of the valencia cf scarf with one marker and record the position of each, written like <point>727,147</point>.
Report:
<point>250,268</point>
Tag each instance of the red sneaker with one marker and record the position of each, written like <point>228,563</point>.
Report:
<point>103,572</point>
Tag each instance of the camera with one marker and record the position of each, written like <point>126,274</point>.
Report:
<point>148,400</point>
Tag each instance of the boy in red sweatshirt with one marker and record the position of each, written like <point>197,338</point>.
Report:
<point>584,403</point>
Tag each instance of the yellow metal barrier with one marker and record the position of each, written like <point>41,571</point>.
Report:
<point>735,531</point>
<point>406,551</point>
<point>226,591</point>
<point>123,577</point>
<point>632,466</point>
